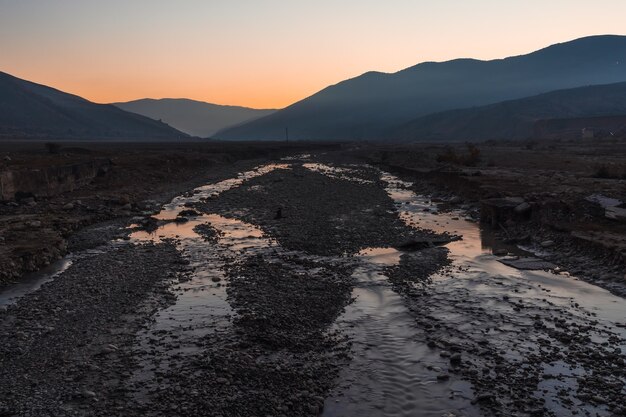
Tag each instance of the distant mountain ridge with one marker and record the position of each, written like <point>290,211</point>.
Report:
<point>196,118</point>
<point>515,119</point>
<point>374,104</point>
<point>33,110</point>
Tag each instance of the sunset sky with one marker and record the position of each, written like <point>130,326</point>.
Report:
<point>269,53</point>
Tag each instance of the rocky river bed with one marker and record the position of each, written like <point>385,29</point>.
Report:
<point>302,288</point>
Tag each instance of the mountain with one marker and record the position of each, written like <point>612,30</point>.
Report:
<point>194,117</point>
<point>369,106</point>
<point>34,110</point>
<point>515,119</point>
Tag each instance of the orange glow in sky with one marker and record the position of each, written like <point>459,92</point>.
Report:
<point>271,53</point>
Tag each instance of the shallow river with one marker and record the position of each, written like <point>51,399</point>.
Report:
<point>393,372</point>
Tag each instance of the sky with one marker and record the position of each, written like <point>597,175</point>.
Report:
<point>269,53</point>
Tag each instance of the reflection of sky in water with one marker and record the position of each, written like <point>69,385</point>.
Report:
<point>232,232</point>
<point>171,210</point>
<point>487,277</point>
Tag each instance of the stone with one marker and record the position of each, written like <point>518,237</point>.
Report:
<point>89,394</point>
<point>456,358</point>
<point>529,264</point>
<point>482,397</point>
<point>522,208</point>
<point>547,243</point>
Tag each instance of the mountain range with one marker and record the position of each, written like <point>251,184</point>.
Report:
<point>34,110</point>
<point>462,99</point>
<point>515,119</point>
<point>374,105</point>
<point>196,118</point>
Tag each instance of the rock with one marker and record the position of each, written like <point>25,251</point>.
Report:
<point>456,358</point>
<point>109,349</point>
<point>522,208</point>
<point>68,206</point>
<point>456,200</point>
<point>216,279</point>
<point>547,243</point>
<point>147,205</point>
<point>188,213</point>
<point>414,244</point>
<point>89,394</point>
<point>482,397</point>
<point>7,158</point>
<point>34,224</point>
<point>443,377</point>
<point>529,264</point>
<point>500,252</point>
<point>123,200</point>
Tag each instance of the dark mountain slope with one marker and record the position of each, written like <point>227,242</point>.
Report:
<point>368,106</point>
<point>515,119</point>
<point>33,110</point>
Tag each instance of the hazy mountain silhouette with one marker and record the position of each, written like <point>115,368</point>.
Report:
<point>194,117</point>
<point>34,110</point>
<point>369,106</point>
<point>515,119</point>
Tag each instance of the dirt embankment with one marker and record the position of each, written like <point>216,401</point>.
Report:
<point>52,196</point>
<point>539,195</point>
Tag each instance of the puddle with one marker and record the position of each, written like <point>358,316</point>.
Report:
<point>200,307</point>
<point>341,173</point>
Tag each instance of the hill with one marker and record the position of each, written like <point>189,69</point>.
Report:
<point>196,118</point>
<point>515,119</point>
<point>30,110</point>
<point>369,106</point>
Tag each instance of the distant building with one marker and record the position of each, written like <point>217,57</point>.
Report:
<point>581,127</point>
